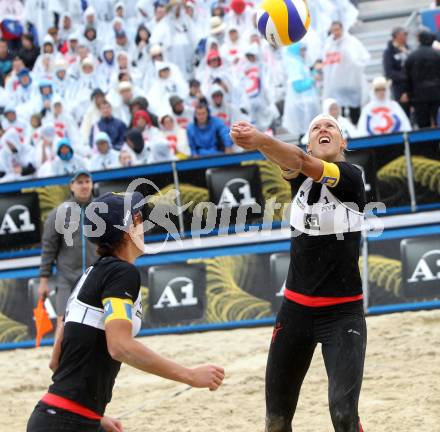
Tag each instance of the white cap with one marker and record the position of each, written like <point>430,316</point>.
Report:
<point>325,117</point>
<point>379,82</point>
<point>124,85</point>
<point>155,50</point>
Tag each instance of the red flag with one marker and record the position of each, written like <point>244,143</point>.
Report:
<point>43,324</point>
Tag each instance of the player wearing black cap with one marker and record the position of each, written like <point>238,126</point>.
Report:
<point>103,315</point>
<point>323,296</point>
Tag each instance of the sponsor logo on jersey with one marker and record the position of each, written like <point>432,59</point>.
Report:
<point>311,221</point>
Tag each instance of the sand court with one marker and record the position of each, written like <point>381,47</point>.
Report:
<point>400,390</point>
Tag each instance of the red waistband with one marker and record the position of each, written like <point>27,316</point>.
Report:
<point>311,301</point>
<point>68,405</point>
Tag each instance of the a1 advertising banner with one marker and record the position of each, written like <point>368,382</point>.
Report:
<point>421,266</point>
<point>425,161</point>
<point>176,293</point>
<point>19,220</point>
<point>384,170</point>
<point>404,269</point>
<point>237,195</point>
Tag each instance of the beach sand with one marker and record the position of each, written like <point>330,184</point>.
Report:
<point>400,390</point>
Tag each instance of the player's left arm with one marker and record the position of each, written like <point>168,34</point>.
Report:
<point>56,351</point>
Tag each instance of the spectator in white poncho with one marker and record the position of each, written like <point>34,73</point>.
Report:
<point>104,156</point>
<point>345,59</point>
<point>302,103</point>
<point>17,159</point>
<point>382,115</point>
<point>163,87</point>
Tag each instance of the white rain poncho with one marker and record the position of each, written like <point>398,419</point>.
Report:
<point>35,12</point>
<point>232,51</point>
<point>107,68</point>
<point>43,67</point>
<point>176,137</point>
<point>345,12</point>
<point>162,89</point>
<point>181,42</point>
<point>67,166</point>
<point>258,89</point>
<point>382,115</point>
<point>45,144</point>
<point>79,92</point>
<point>23,156</point>
<point>124,64</point>
<point>65,125</point>
<point>348,129</point>
<point>103,160</point>
<point>301,104</point>
<point>343,69</point>
<point>321,12</point>
<point>225,111</point>
<point>61,83</point>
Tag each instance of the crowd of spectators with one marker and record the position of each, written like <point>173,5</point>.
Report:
<point>101,84</point>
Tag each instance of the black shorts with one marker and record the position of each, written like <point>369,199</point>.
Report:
<point>46,418</point>
<point>341,330</point>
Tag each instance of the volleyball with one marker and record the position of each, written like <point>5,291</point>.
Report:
<point>283,22</point>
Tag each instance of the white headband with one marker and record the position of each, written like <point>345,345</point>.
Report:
<point>325,117</point>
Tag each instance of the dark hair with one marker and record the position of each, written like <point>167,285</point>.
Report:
<point>336,22</point>
<point>138,38</point>
<point>202,103</point>
<point>193,82</point>
<point>109,249</point>
<point>123,74</point>
<point>28,36</point>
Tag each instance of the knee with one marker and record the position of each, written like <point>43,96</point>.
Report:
<point>344,417</point>
<point>278,423</point>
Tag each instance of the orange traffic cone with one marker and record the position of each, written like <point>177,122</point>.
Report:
<point>43,324</point>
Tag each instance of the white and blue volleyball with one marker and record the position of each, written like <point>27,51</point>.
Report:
<point>283,22</point>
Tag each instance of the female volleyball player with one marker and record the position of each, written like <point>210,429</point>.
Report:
<point>103,314</point>
<point>323,296</point>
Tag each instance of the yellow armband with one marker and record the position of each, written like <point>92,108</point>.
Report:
<point>117,308</point>
<point>330,174</point>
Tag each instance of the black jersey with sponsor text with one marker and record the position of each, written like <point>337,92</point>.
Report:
<point>325,264</point>
<point>86,372</point>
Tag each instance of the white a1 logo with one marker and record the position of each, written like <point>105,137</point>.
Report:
<point>9,225</point>
<point>184,287</point>
<point>228,199</point>
<point>428,268</point>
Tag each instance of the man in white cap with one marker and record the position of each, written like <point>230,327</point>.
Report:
<point>323,295</point>
<point>122,104</point>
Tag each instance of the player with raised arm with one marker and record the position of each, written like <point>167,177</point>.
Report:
<point>323,296</point>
